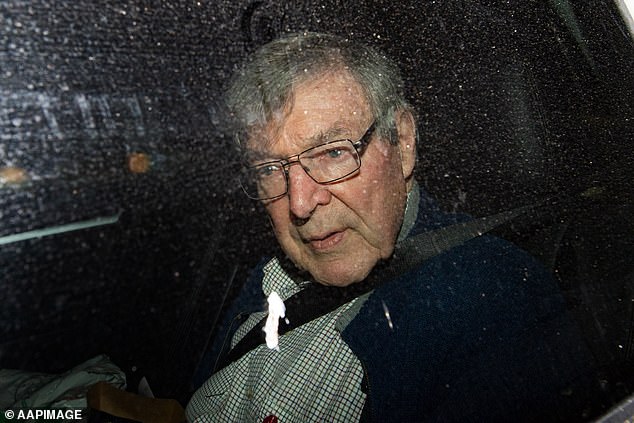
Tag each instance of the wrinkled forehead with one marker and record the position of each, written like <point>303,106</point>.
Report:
<point>320,109</point>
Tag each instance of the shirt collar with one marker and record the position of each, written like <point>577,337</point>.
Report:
<point>278,280</point>
<point>411,212</point>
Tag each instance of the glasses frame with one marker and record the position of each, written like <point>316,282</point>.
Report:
<point>359,147</point>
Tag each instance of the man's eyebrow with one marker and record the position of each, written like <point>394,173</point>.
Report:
<point>336,132</point>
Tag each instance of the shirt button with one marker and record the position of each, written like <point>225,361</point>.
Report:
<point>270,419</point>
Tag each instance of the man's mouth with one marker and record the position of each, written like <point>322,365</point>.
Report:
<point>326,241</point>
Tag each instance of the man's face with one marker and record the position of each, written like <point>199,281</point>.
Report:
<point>337,231</point>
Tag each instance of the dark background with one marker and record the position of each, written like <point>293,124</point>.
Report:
<point>517,101</point>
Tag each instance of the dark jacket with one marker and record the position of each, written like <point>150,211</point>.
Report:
<point>479,333</point>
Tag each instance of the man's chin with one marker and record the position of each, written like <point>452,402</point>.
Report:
<point>339,268</point>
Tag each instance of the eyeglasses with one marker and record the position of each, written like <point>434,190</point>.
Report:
<point>324,163</point>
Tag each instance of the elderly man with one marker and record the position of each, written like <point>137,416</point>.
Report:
<point>475,330</point>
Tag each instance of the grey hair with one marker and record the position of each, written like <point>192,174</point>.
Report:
<point>264,87</point>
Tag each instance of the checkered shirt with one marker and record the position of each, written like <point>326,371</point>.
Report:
<point>314,377</point>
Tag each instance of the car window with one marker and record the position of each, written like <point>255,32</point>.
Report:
<point>123,226</point>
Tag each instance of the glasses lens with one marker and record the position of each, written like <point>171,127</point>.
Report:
<point>332,161</point>
<point>325,163</point>
<point>264,181</point>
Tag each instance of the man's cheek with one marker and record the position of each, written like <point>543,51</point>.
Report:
<point>278,215</point>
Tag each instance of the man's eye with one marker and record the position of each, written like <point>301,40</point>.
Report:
<point>334,153</point>
<point>267,170</point>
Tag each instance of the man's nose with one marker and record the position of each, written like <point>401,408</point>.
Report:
<point>304,193</point>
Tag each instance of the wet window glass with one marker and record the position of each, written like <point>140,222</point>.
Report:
<point>129,247</point>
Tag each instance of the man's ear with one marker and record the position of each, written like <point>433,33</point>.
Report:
<point>406,132</point>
